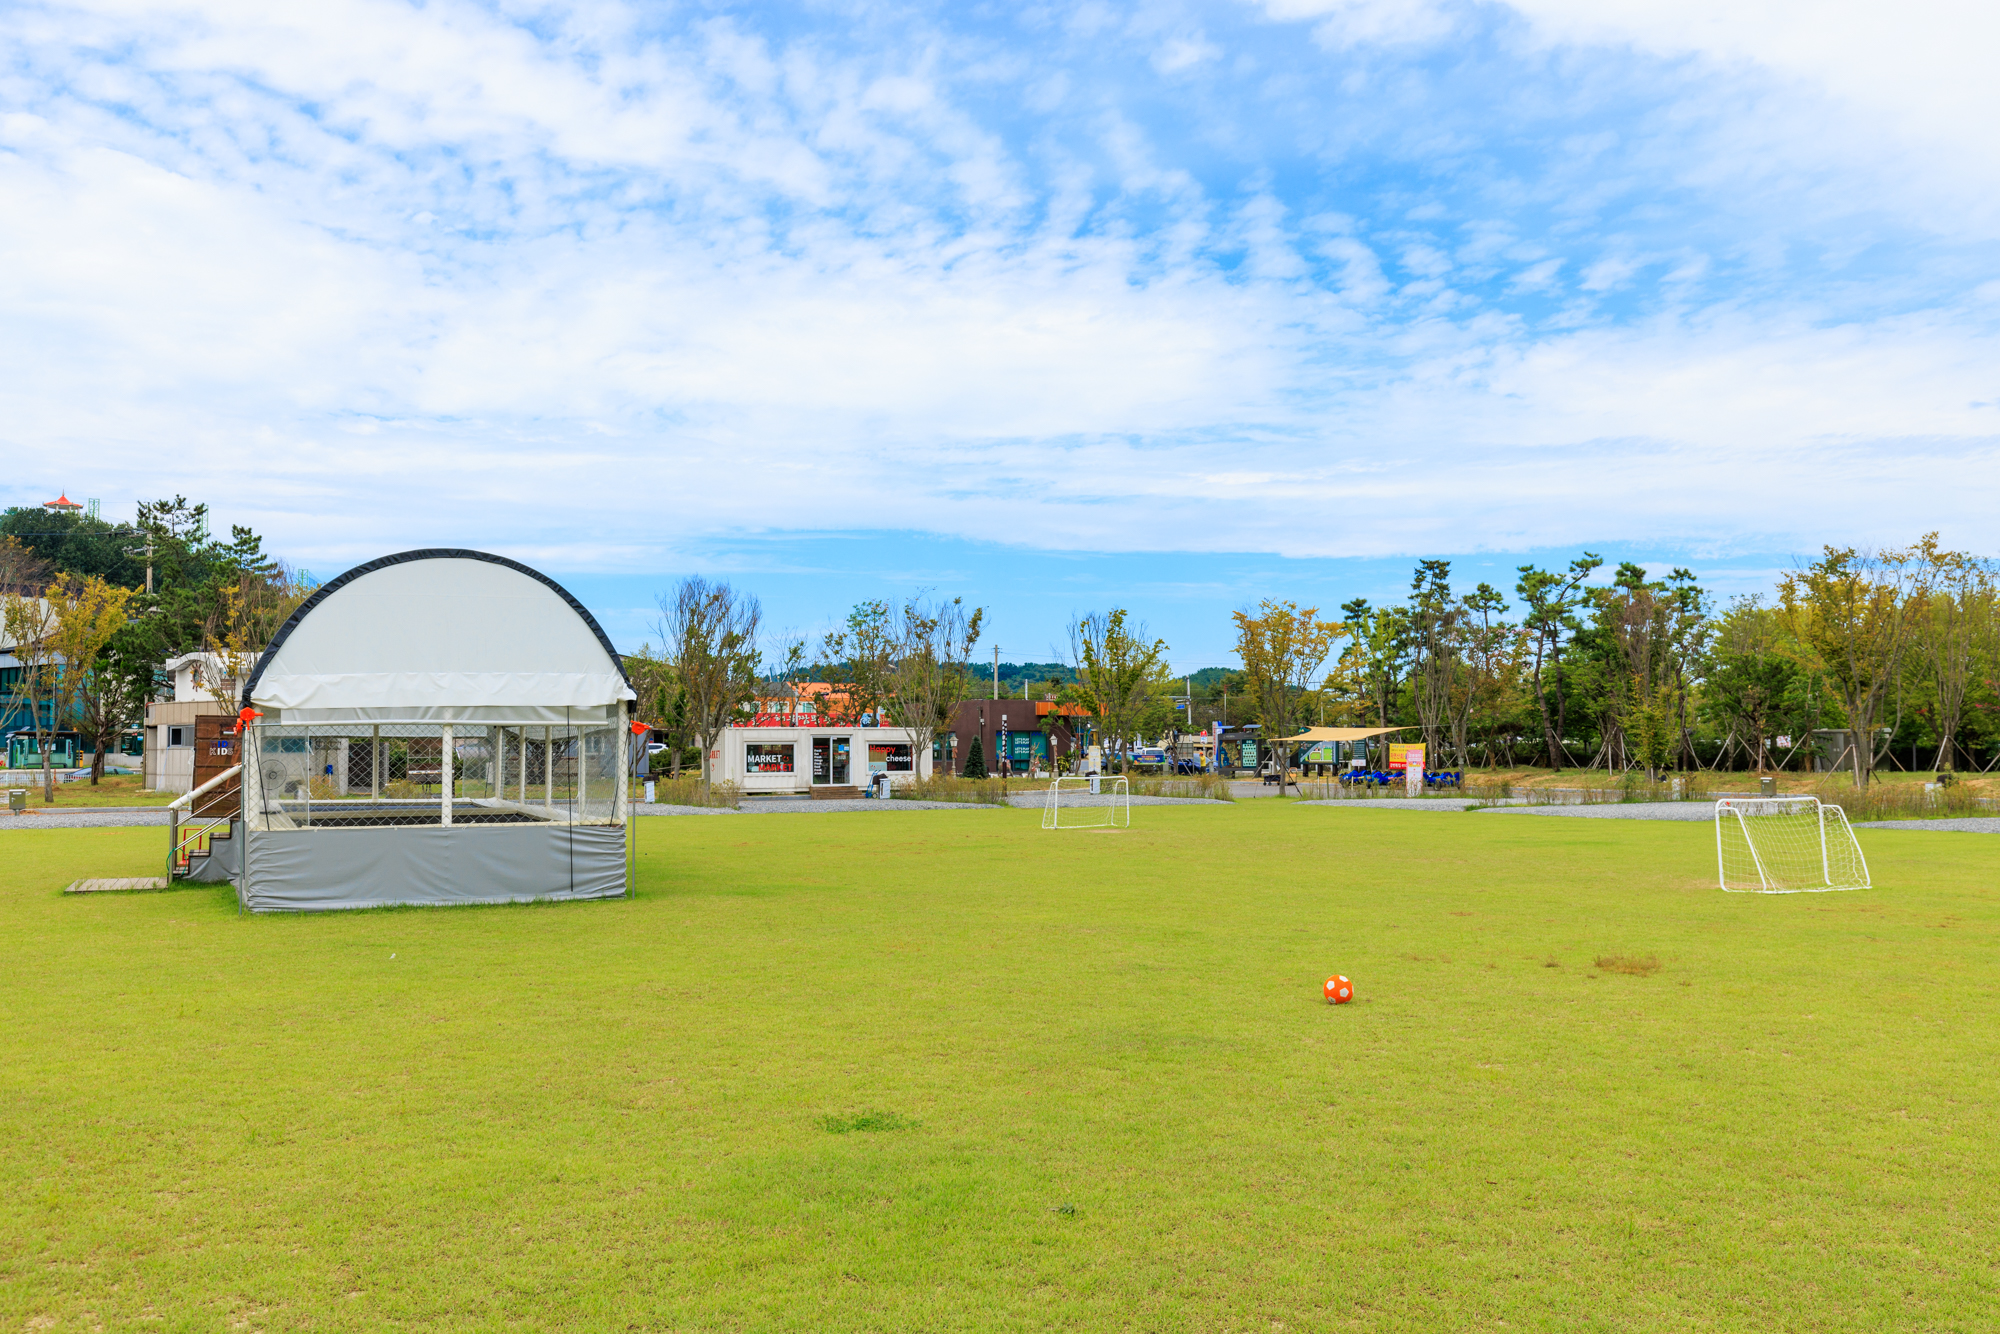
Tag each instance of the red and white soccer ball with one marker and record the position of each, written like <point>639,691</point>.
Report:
<point>1339,991</point>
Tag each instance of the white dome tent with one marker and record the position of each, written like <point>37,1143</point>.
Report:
<point>435,727</point>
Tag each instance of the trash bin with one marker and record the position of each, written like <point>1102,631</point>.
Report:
<point>1095,788</point>
<point>17,800</point>
<point>882,787</point>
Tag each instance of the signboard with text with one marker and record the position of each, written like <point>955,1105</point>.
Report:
<point>1413,770</point>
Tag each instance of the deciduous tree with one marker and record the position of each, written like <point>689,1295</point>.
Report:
<point>710,634</point>
<point>1955,630</point>
<point>863,653</point>
<point>1119,670</point>
<point>31,623</point>
<point>1284,650</point>
<point>1551,604</point>
<point>89,612</point>
<point>1749,673</point>
<point>930,674</point>
<point>1853,609</point>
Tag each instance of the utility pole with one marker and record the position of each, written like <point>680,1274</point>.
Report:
<point>148,554</point>
<point>996,672</point>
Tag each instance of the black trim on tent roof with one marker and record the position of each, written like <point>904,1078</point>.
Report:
<point>325,591</point>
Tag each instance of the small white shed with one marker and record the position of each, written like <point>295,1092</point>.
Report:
<point>435,727</point>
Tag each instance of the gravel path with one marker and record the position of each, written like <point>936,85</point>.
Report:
<point>1398,803</point>
<point>662,808</point>
<point>140,817</point>
<point>86,819</point>
<point>1976,824</point>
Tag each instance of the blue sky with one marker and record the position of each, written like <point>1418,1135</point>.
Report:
<point>1056,306</point>
<point>1031,594</point>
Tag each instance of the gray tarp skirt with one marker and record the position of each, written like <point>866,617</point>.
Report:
<point>311,870</point>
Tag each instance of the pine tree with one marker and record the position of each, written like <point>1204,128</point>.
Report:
<point>975,761</point>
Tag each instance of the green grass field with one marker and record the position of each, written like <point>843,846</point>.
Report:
<point>111,790</point>
<point>944,1071</point>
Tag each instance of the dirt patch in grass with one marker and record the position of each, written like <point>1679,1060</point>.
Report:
<point>865,1121</point>
<point>1628,963</point>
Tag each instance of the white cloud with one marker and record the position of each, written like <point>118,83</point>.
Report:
<point>1922,69</point>
<point>1348,22</point>
<point>1181,53</point>
<point>382,274</point>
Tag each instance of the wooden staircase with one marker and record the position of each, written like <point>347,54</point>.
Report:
<point>210,810</point>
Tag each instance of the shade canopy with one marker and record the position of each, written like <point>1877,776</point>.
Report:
<point>440,636</point>
<point>1340,733</point>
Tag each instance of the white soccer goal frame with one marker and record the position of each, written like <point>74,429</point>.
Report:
<point>1112,786</point>
<point>1842,864</point>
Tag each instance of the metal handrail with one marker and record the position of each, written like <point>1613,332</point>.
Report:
<point>175,843</point>
<point>195,834</point>
<point>181,802</point>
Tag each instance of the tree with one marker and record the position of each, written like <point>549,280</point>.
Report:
<point>1954,631</point>
<point>1371,666</point>
<point>975,760</point>
<point>22,572</point>
<point>1487,647</point>
<point>1118,672</point>
<point>1750,672</point>
<point>932,653</point>
<point>30,623</point>
<point>1651,728</point>
<point>109,699</point>
<point>1853,609</point>
<point>1653,631</point>
<point>863,653</point>
<point>1284,652</point>
<point>89,612</point>
<point>710,634</point>
<point>76,543</point>
<point>1435,664</point>
<point>1552,601</point>
<point>244,609</point>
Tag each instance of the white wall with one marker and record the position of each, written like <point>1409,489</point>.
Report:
<point>169,769</point>
<point>731,767</point>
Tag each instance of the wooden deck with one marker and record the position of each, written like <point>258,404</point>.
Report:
<point>114,886</point>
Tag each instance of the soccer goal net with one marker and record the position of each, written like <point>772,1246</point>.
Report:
<point>1786,845</point>
<point>1087,803</point>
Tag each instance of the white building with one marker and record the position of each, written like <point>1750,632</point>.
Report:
<point>823,760</point>
<point>171,725</point>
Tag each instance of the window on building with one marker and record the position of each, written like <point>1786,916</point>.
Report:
<point>767,757</point>
<point>889,757</point>
<point>179,736</point>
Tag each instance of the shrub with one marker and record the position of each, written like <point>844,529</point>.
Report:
<point>975,761</point>
<point>1213,786</point>
<point>687,790</point>
<point>947,787</point>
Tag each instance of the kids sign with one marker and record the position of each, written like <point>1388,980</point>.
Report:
<point>1413,770</point>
